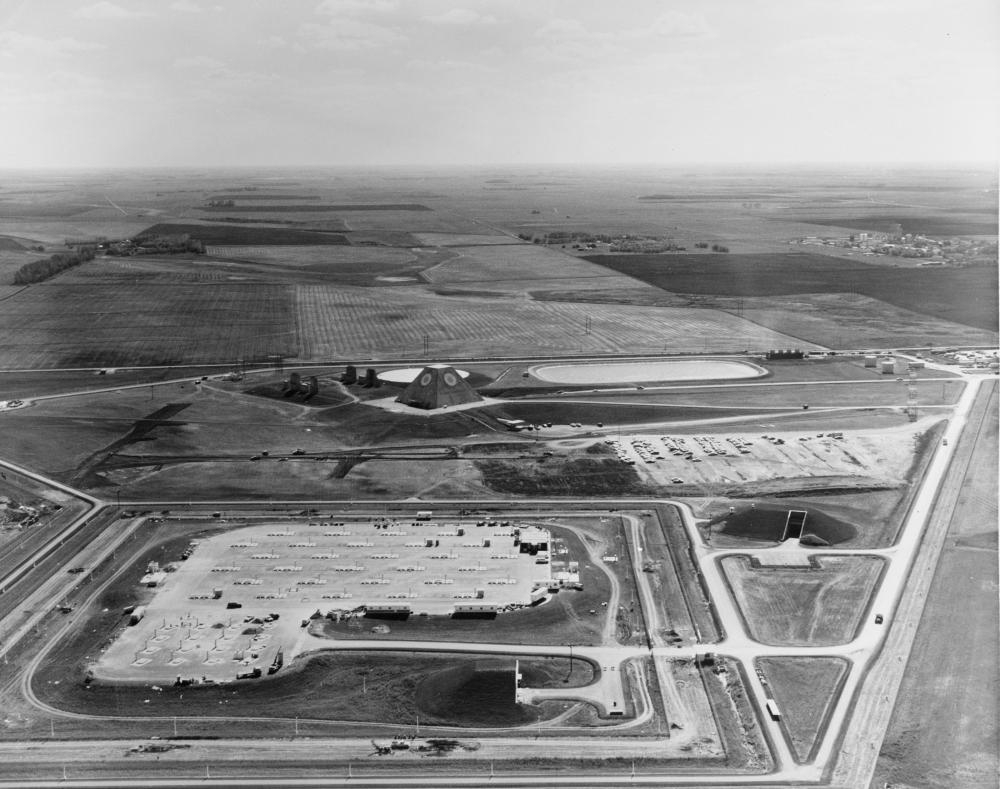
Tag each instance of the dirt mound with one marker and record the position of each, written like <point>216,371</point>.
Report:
<point>474,694</point>
<point>766,521</point>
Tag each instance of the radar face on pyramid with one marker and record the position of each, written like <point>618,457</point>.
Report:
<point>437,387</point>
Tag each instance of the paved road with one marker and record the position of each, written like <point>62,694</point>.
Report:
<point>737,644</point>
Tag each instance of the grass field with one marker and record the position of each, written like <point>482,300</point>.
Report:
<point>464,239</point>
<point>279,208</point>
<point>53,231</point>
<point>262,196</point>
<point>963,295</point>
<point>805,690</point>
<point>841,320</point>
<point>519,267</point>
<point>926,224</point>
<point>243,235</point>
<point>397,687</point>
<point>345,321</point>
<point>331,264</point>
<point>56,325</point>
<point>819,606</point>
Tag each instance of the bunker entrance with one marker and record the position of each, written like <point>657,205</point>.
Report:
<point>794,524</point>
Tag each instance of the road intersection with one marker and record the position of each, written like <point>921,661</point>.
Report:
<point>609,692</point>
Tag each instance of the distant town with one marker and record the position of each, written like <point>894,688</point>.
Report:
<point>956,251</point>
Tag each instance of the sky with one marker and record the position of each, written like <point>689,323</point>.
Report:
<point>146,83</point>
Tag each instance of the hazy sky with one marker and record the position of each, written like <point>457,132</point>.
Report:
<point>328,82</point>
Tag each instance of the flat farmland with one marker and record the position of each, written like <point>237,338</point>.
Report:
<point>265,197</point>
<point>464,239</point>
<point>298,256</point>
<point>153,270</point>
<point>960,295</point>
<point>935,225</point>
<point>849,320</point>
<point>349,321</point>
<point>519,267</point>
<point>258,208</point>
<point>41,208</point>
<point>50,231</point>
<point>819,605</point>
<point>440,220</point>
<point>56,325</point>
<point>346,265</point>
<point>245,235</point>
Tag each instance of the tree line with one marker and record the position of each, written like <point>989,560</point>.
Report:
<point>41,270</point>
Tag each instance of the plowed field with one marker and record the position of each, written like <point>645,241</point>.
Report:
<point>57,325</point>
<point>348,321</point>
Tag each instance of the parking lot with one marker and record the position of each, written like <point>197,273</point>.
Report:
<point>747,457</point>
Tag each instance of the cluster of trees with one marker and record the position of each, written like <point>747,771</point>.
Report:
<point>40,270</point>
<point>157,245</point>
<point>787,353</point>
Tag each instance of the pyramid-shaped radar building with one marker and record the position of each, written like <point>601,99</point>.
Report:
<point>437,387</point>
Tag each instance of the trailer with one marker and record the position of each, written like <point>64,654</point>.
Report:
<point>773,711</point>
